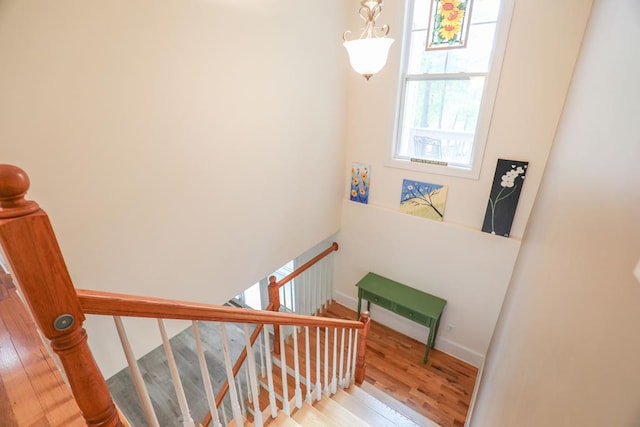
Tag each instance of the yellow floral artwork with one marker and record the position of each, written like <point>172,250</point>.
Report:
<point>360,177</point>
<point>448,24</point>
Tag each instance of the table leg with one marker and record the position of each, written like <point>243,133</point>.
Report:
<point>426,354</point>
<point>435,332</point>
<point>430,340</point>
<point>359,305</point>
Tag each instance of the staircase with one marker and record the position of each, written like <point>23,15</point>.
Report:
<point>323,358</point>
<point>349,406</point>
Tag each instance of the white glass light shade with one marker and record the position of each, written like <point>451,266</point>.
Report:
<point>368,56</point>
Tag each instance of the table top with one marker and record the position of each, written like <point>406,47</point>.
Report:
<point>404,295</point>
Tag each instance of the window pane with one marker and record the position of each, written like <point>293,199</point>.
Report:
<point>485,10</point>
<point>482,11</point>
<point>439,120</point>
<point>472,59</point>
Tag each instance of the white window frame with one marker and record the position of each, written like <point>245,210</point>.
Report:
<point>486,105</point>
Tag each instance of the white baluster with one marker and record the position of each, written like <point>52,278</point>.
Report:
<point>334,380</point>
<point>187,421</point>
<point>272,393</point>
<point>296,370</point>
<point>307,359</point>
<point>283,295</point>
<point>251,364</point>
<point>311,292</point>
<point>233,393</point>
<point>206,378</point>
<point>283,368</point>
<point>317,284</point>
<point>138,381</point>
<point>325,296</point>
<point>332,275</point>
<point>340,377</point>
<point>224,413</point>
<point>326,361</point>
<point>318,381</point>
<point>247,380</point>
<point>238,378</point>
<point>294,308</point>
<point>347,377</point>
<point>353,360</point>
<point>262,360</point>
<point>304,294</point>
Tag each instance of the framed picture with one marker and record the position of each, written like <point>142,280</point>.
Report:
<point>423,199</point>
<point>448,24</point>
<point>360,178</point>
<point>505,193</point>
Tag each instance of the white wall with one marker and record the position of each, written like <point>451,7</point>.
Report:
<point>454,260</point>
<point>183,149</point>
<point>566,348</point>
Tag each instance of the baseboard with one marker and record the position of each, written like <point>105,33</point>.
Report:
<point>474,396</point>
<point>415,331</point>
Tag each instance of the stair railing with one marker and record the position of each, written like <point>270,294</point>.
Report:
<point>310,294</point>
<point>32,252</point>
<point>120,305</point>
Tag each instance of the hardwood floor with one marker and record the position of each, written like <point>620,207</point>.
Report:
<point>155,371</point>
<point>440,390</point>
<point>32,392</point>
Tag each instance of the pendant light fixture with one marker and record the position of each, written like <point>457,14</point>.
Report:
<point>368,53</point>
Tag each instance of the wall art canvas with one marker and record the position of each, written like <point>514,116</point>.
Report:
<point>423,199</point>
<point>503,200</point>
<point>448,24</point>
<point>360,179</point>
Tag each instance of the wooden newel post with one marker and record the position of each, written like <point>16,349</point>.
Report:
<point>34,256</point>
<point>274,304</point>
<point>361,365</point>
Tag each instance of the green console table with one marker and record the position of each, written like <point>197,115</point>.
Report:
<point>421,307</point>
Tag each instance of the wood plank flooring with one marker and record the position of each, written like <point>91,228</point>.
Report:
<point>32,392</point>
<point>155,371</point>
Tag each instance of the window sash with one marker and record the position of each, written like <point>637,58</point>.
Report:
<point>486,105</point>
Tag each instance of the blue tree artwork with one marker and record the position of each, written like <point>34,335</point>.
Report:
<point>505,193</point>
<point>423,199</point>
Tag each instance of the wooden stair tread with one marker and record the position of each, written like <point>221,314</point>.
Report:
<point>281,421</point>
<point>338,413</point>
<point>368,391</point>
<point>309,416</point>
<point>371,410</point>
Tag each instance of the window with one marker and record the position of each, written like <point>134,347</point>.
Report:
<point>447,95</point>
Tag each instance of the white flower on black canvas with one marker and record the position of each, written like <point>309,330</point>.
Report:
<point>509,184</point>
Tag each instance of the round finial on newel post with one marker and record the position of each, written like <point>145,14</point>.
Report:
<point>14,184</point>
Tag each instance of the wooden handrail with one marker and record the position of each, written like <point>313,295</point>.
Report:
<point>274,286</point>
<point>112,304</point>
<point>36,262</point>
<point>304,267</point>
